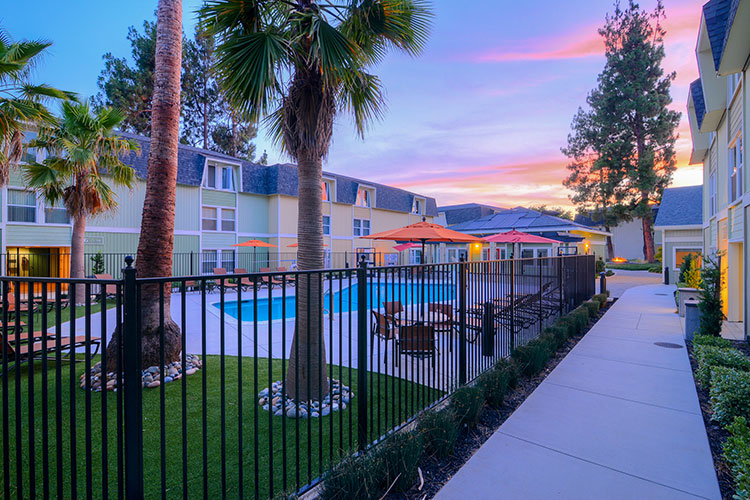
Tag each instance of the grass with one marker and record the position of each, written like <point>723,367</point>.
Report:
<point>65,314</point>
<point>313,444</point>
<point>630,266</point>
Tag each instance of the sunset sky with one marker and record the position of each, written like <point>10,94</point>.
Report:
<point>479,117</point>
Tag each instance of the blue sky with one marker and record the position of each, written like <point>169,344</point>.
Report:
<point>480,116</point>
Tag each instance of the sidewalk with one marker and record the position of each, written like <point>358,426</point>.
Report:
<point>617,418</point>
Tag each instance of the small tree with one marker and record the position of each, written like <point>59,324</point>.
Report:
<point>685,267</point>
<point>710,305</point>
<point>97,261</point>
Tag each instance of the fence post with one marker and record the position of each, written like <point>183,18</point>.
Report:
<point>462,320</point>
<point>602,282</point>
<point>362,428</point>
<point>512,304</point>
<point>133,405</point>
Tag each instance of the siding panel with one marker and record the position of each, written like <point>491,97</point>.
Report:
<point>218,240</point>
<point>218,198</point>
<point>37,236</point>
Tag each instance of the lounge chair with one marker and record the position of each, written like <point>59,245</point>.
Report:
<point>222,272</point>
<point>24,352</point>
<point>110,289</point>
<point>269,281</point>
<point>417,340</point>
<point>290,279</point>
<point>244,282</point>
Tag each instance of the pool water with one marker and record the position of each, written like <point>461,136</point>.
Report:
<point>377,293</point>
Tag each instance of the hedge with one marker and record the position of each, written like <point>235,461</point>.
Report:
<point>709,357</point>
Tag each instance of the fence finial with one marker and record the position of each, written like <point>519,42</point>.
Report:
<point>129,261</point>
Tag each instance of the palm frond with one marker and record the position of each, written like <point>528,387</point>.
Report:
<point>362,95</point>
<point>331,49</point>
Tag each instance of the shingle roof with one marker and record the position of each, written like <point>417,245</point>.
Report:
<point>520,218</point>
<point>455,214</point>
<point>716,13</point>
<point>681,206</point>
<point>280,178</point>
<point>696,91</point>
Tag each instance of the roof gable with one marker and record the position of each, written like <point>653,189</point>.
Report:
<point>716,14</point>
<point>681,206</point>
<point>696,92</point>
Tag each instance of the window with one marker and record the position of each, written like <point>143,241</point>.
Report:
<point>209,261</point>
<point>21,206</point>
<point>56,214</point>
<point>361,227</point>
<point>415,256</point>
<point>227,178</point>
<point>211,177</point>
<point>712,206</point>
<point>735,169</point>
<point>326,224</point>
<point>417,206</point>
<point>681,253</point>
<point>227,260</point>
<point>527,253</point>
<point>227,219</point>
<point>209,218</point>
<point>219,178</point>
<point>500,253</point>
<point>326,191</point>
<point>29,154</point>
<point>363,198</point>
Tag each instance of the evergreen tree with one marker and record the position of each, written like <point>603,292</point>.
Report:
<point>622,149</point>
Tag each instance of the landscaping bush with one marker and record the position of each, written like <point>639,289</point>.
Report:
<point>730,394</point>
<point>531,357</point>
<point>737,453</point>
<point>559,333</point>
<point>467,403</point>
<point>581,316</point>
<point>600,266</point>
<point>439,432</point>
<point>569,324</point>
<point>494,383</point>
<point>398,456</point>
<point>710,307</point>
<point>710,356</point>
<point>601,298</point>
<point>592,306</point>
<point>355,477</point>
<point>510,369</point>
<point>711,340</point>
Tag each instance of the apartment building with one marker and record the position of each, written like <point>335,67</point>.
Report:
<point>221,201</point>
<point>718,114</point>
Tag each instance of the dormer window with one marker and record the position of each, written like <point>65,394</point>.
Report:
<point>363,198</point>
<point>418,206</point>
<point>326,188</point>
<point>218,177</point>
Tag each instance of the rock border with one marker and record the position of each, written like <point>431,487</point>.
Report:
<point>338,398</point>
<point>151,376</point>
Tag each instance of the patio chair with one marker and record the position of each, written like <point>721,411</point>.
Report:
<point>222,272</point>
<point>244,282</point>
<point>26,351</point>
<point>382,327</point>
<point>111,289</point>
<point>417,340</point>
<point>269,281</point>
<point>392,309</point>
<point>290,279</point>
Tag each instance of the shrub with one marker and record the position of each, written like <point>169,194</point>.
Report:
<point>494,383</point>
<point>711,340</point>
<point>609,272</point>
<point>710,356</point>
<point>398,456</point>
<point>439,432</point>
<point>592,306</point>
<point>710,304</point>
<point>467,403</point>
<point>531,357</point>
<point>601,298</point>
<point>570,325</point>
<point>693,274</point>
<point>730,394</point>
<point>559,333</point>
<point>685,267</point>
<point>737,453</point>
<point>355,477</point>
<point>582,316</point>
<point>510,369</point>
<point>600,265</point>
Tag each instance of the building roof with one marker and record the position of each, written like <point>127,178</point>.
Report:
<point>716,14</point>
<point>455,214</point>
<point>681,206</point>
<point>521,218</point>
<point>280,178</point>
<point>733,7</point>
<point>696,92</point>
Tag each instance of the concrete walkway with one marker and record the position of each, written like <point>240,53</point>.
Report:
<point>618,418</point>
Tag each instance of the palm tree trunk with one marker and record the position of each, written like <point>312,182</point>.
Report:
<point>76,256</point>
<point>154,258</point>
<point>307,377</point>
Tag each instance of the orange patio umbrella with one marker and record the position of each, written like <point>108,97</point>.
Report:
<point>255,244</point>
<point>423,232</point>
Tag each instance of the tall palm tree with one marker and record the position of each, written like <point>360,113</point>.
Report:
<point>81,148</point>
<point>154,257</point>
<point>22,104</point>
<point>299,63</point>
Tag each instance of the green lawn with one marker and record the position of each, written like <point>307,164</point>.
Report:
<point>322,446</point>
<point>65,314</point>
<point>630,266</point>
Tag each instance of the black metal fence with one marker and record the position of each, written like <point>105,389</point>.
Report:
<point>382,343</point>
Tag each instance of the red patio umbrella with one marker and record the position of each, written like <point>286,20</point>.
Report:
<point>405,246</point>
<point>514,237</point>
<point>255,244</point>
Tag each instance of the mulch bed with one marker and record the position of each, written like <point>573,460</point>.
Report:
<point>437,472</point>
<point>716,433</point>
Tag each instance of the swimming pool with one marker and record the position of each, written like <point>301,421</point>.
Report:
<point>377,293</point>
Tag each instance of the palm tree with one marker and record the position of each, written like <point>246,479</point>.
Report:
<point>299,63</point>
<point>81,149</point>
<point>21,103</point>
<point>154,257</point>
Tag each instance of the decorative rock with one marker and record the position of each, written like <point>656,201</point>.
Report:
<point>151,376</point>
<point>272,400</point>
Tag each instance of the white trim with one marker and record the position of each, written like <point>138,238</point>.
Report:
<point>683,227</point>
<point>350,238</point>
<point>683,239</point>
<point>674,255</point>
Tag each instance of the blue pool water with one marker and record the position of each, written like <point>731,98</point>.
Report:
<point>376,294</point>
